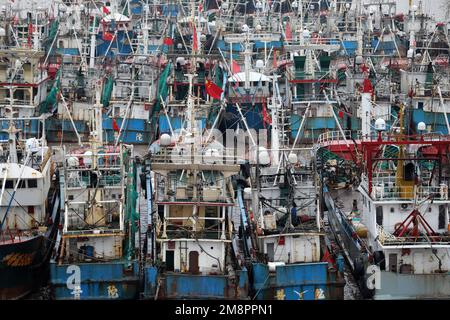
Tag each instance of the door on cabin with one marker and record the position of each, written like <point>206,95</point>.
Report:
<point>193,262</point>
<point>170,260</point>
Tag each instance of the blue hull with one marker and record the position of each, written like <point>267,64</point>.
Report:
<point>97,281</point>
<point>190,286</point>
<point>302,281</point>
<point>135,131</point>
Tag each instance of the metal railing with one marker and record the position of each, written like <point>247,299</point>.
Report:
<point>385,188</point>
<point>388,239</point>
<point>334,136</point>
<point>184,155</point>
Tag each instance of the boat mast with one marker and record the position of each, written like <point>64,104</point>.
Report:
<point>12,129</point>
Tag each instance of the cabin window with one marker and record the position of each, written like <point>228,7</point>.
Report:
<point>70,197</point>
<point>392,209</point>
<point>30,209</point>
<point>420,105</point>
<point>408,171</point>
<point>32,183</point>
<point>9,184</point>
<point>379,215</point>
<point>441,220</point>
<point>22,184</point>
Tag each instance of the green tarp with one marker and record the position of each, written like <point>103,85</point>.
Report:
<point>131,215</point>
<point>49,104</point>
<point>107,91</point>
<point>162,91</point>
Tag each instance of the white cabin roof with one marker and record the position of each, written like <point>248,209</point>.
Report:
<point>14,171</point>
<point>254,76</point>
<point>117,17</point>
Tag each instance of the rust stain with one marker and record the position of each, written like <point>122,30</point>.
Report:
<point>18,259</point>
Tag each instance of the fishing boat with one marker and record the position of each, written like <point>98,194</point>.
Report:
<point>96,256</point>
<point>395,231</point>
<point>191,211</point>
<point>29,212</point>
<point>290,253</point>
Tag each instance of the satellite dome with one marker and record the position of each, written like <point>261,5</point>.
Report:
<point>87,158</point>
<point>73,162</point>
<point>293,159</point>
<point>421,126</point>
<point>263,156</point>
<point>165,140</point>
<point>380,124</point>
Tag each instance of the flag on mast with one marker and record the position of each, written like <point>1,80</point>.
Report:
<point>266,117</point>
<point>194,39</point>
<point>213,89</point>
<point>115,126</point>
<point>235,68</point>
<point>107,36</point>
<point>288,32</point>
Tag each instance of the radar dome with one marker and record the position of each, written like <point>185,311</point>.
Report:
<point>380,125</point>
<point>293,159</point>
<point>263,156</point>
<point>73,162</point>
<point>421,126</point>
<point>87,158</point>
<point>165,140</point>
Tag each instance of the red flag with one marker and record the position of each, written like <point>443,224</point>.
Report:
<point>266,116</point>
<point>341,114</point>
<point>235,67</point>
<point>367,86</point>
<point>364,68</point>
<point>213,89</point>
<point>288,31</point>
<point>115,126</point>
<point>168,41</point>
<point>105,10</point>
<point>194,39</point>
<point>107,36</point>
